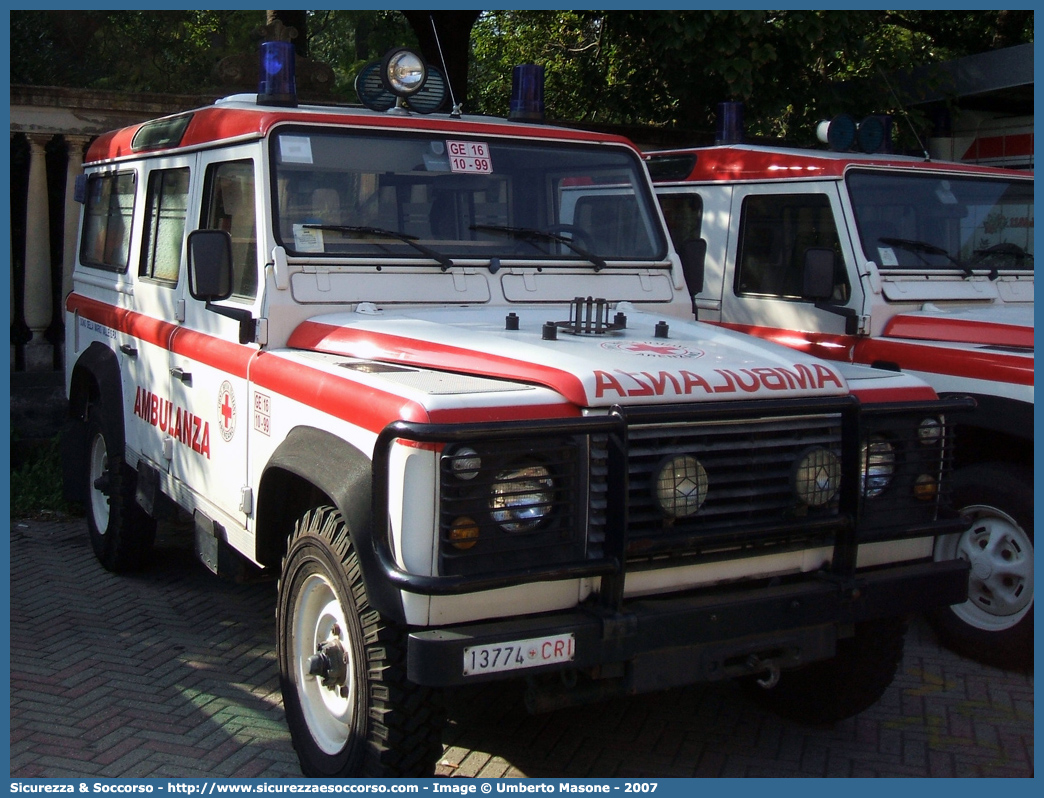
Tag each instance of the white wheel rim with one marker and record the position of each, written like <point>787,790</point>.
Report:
<point>319,618</point>
<point>1000,585</point>
<point>98,465</point>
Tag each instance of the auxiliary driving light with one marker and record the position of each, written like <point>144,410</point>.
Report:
<point>817,477</point>
<point>681,486</point>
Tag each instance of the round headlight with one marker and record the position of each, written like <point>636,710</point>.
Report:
<point>877,465</point>
<point>929,432</point>
<point>403,72</point>
<point>817,477</point>
<point>464,462</point>
<point>520,499</point>
<point>681,486</point>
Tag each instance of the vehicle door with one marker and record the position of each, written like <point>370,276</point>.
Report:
<point>773,231</point>
<point>157,257</point>
<point>211,352</point>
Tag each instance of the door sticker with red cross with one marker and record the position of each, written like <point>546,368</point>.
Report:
<point>226,411</point>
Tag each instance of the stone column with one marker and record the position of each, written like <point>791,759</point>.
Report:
<point>39,354</point>
<point>76,146</point>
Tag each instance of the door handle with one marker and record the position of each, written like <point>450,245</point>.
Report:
<point>180,374</point>
<point>128,350</point>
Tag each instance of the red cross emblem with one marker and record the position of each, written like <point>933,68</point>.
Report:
<point>227,410</point>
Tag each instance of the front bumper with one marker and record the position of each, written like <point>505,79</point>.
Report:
<point>656,643</point>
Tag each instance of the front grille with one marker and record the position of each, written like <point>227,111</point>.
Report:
<point>747,478</point>
<point>750,481</point>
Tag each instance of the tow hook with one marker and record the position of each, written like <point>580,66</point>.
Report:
<point>756,664</point>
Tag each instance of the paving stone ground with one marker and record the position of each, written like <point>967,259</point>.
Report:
<point>171,673</point>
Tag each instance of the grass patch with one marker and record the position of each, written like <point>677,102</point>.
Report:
<point>36,481</point>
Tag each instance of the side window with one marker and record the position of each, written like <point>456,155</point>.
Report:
<point>105,242</point>
<point>229,206</point>
<point>684,215</point>
<point>775,233</point>
<point>166,204</point>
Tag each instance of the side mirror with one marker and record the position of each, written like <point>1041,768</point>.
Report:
<point>693,254</point>
<point>818,274</point>
<point>210,265</point>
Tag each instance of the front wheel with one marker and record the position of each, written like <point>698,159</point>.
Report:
<point>995,624</point>
<point>342,669</point>
<point>823,693</point>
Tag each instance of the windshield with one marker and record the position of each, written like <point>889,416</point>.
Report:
<point>922,222</point>
<point>443,199</point>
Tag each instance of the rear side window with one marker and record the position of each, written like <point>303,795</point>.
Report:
<point>775,233</point>
<point>165,207</point>
<point>107,215</point>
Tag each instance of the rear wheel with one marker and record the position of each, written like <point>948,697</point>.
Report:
<point>826,692</point>
<point>350,709</point>
<point>995,624</point>
<point>121,532</point>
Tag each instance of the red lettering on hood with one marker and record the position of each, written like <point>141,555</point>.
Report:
<point>685,383</point>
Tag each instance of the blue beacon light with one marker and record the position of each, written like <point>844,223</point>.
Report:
<point>527,93</point>
<point>277,84</point>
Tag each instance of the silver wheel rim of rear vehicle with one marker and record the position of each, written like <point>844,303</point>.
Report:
<point>98,464</point>
<point>1000,585</point>
<point>319,618</point>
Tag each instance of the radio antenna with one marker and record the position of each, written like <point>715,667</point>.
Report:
<point>455,112</point>
<point>906,116</point>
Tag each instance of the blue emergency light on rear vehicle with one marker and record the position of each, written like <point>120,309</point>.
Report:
<point>527,93</point>
<point>277,84</point>
<point>730,123</point>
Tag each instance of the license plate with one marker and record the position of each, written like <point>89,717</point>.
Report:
<point>517,654</point>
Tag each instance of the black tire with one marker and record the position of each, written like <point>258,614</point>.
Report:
<point>995,625</point>
<point>826,692</point>
<point>359,716</point>
<point>121,532</point>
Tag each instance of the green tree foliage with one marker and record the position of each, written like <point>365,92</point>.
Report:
<point>348,40</point>
<point>663,68</point>
<point>671,68</point>
<point>138,51</point>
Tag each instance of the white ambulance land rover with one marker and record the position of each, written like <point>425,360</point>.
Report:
<point>369,353</point>
<point>899,263</point>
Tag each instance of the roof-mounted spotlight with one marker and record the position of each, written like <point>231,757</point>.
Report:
<point>401,80</point>
<point>403,72</point>
<point>277,84</point>
<point>839,132</point>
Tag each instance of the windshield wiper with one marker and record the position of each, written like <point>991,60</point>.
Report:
<point>926,248</point>
<point>1003,250</point>
<point>380,232</point>
<point>531,234</point>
